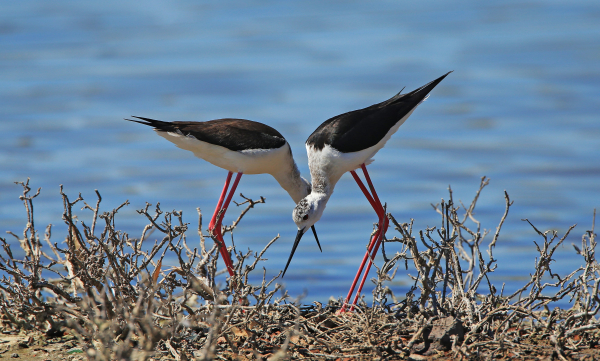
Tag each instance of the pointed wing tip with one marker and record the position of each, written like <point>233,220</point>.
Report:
<point>137,121</point>
<point>146,120</point>
<point>448,73</point>
<point>438,80</point>
<point>427,88</point>
<point>441,77</point>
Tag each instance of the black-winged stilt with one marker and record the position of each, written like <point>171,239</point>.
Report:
<point>240,146</point>
<point>343,144</point>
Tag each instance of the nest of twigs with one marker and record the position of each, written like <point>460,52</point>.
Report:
<point>110,292</point>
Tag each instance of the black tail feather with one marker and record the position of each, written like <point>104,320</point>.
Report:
<point>156,124</point>
<point>417,95</point>
<point>427,88</point>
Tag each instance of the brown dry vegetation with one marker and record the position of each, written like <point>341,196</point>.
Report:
<point>107,295</point>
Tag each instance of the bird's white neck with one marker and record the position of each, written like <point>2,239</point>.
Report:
<point>327,166</point>
<point>321,183</point>
<point>317,202</point>
<point>322,188</point>
<point>289,178</point>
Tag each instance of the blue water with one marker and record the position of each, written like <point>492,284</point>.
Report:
<point>521,108</point>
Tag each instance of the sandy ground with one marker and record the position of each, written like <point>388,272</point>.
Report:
<point>36,346</point>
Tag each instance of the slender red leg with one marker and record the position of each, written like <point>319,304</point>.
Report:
<point>233,187</point>
<point>371,244</point>
<point>380,234</point>
<point>211,226</point>
<point>215,223</point>
<point>373,254</point>
<point>375,240</point>
<point>368,178</point>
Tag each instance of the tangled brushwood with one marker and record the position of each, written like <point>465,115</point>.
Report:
<point>110,292</point>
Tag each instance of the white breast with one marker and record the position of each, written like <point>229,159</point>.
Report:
<point>332,164</point>
<point>253,161</point>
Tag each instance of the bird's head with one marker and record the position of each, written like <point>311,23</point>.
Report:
<point>306,213</point>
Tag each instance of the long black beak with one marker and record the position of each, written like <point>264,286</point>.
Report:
<point>316,238</point>
<point>296,242</point>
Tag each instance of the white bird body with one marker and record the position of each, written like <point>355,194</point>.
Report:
<point>345,143</point>
<point>329,164</point>
<point>240,146</point>
<point>277,162</point>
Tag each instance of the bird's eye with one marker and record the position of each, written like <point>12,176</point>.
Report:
<point>305,217</point>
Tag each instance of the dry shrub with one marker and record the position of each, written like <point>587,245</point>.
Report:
<point>112,292</point>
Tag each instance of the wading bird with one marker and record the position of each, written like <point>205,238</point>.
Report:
<point>343,144</point>
<point>238,146</point>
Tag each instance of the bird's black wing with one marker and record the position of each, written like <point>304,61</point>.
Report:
<point>233,134</point>
<point>363,128</point>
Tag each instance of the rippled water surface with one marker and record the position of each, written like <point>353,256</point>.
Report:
<point>521,108</point>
